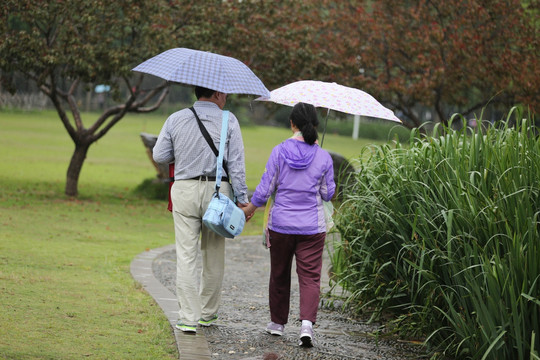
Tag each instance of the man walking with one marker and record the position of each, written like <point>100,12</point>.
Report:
<point>181,140</point>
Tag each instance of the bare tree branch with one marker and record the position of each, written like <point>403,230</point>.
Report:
<point>45,89</point>
<point>73,105</point>
<point>118,112</point>
<point>149,95</point>
<point>156,105</point>
<point>53,95</point>
<point>137,85</point>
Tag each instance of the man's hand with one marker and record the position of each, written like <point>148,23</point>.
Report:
<point>248,209</point>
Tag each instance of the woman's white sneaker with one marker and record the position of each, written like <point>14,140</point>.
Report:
<point>275,329</point>
<point>306,336</point>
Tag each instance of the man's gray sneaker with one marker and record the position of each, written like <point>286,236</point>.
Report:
<point>209,322</point>
<point>186,328</point>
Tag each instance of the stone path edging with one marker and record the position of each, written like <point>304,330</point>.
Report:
<point>190,347</point>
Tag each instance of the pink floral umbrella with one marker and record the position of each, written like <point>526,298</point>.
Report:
<point>331,96</point>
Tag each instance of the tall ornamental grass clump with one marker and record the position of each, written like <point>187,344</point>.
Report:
<point>445,234</point>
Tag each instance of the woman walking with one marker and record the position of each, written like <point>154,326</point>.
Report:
<point>300,175</point>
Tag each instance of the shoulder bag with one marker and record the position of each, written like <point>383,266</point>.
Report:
<point>222,215</point>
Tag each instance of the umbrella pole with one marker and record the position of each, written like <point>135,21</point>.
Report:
<point>325,123</point>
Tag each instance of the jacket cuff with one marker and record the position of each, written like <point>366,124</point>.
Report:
<point>257,202</point>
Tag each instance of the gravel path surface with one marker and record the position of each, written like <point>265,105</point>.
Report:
<point>239,332</point>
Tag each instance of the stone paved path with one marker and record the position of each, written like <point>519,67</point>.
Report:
<point>239,332</point>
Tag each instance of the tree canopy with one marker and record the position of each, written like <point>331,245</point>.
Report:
<point>436,55</point>
<point>64,45</point>
<point>449,55</point>
<point>281,41</point>
<point>432,54</point>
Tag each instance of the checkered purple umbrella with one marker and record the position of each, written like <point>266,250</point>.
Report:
<point>212,71</point>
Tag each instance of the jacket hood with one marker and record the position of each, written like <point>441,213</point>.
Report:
<point>298,154</point>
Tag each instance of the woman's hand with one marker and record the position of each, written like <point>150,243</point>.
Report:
<point>248,209</point>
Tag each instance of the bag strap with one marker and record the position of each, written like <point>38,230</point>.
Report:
<point>208,138</point>
<point>222,141</point>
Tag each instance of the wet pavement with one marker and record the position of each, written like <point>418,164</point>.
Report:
<point>239,331</point>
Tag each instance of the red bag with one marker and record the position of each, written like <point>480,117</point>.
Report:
<point>171,178</point>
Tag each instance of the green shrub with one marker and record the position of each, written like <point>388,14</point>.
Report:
<point>445,233</point>
<point>153,189</point>
<point>369,129</point>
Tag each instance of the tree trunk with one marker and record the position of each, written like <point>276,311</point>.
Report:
<point>74,169</point>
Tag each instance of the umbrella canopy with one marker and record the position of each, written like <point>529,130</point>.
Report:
<point>212,71</point>
<point>331,96</point>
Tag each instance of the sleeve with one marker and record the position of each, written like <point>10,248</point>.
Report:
<point>268,183</point>
<point>328,185</point>
<point>163,151</point>
<point>236,161</point>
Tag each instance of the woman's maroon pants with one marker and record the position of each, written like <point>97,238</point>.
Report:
<point>308,250</point>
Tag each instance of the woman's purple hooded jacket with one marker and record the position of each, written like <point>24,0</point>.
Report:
<point>301,176</point>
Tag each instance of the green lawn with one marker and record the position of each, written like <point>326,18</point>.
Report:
<point>65,287</point>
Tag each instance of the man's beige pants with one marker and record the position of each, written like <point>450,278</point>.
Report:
<point>190,199</point>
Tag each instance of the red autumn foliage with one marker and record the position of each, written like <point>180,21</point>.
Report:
<point>450,56</point>
<point>445,56</point>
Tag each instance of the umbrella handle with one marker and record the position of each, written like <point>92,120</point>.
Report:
<point>325,123</point>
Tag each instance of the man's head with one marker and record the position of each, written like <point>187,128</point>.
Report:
<point>204,94</point>
<point>201,92</point>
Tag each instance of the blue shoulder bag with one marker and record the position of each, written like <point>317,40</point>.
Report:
<point>222,215</point>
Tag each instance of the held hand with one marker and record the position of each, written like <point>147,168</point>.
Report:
<point>248,210</point>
